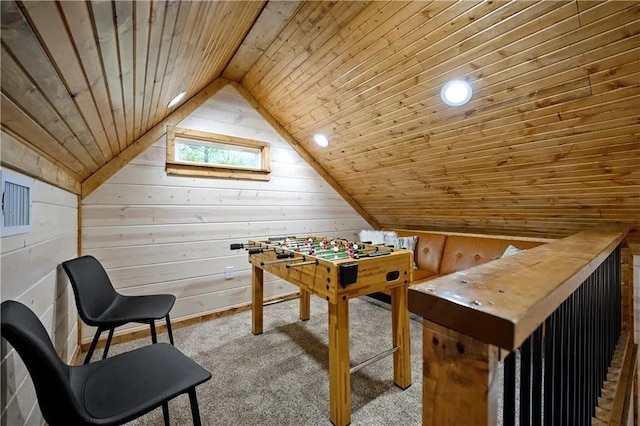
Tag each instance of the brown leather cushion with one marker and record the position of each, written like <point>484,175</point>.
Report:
<point>463,252</point>
<point>428,253</point>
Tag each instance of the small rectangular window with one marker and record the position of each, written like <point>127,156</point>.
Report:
<point>16,203</point>
<point>195,153</point>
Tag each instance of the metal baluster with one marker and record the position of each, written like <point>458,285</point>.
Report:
<point>618,299</point>
<point>589,348</point>
<point>525,382</point>
<point>596,303</point>
<point>550,356</point>
<point>566,364</point>
<point>602,325</point>
<point>611,317</point>
<point>582,353</point>
<point>559,372</point>
<point>509,395</point>
<point>577,360</point>
<point>536,382</point>
<point>572,365</point>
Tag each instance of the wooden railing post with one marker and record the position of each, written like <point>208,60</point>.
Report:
<point>459,383</point>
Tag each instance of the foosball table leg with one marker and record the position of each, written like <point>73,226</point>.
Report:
<point>257,300</point>
<point>401,337</point>
<point>305,305</point>
<point>339,363</point>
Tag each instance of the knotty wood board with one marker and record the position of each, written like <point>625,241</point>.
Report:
<point>555,97</point>
<point>270,22</point>
<point>19,156</point>
<point>459,378</point>
<point>551,93</point>
<point>106,70</point>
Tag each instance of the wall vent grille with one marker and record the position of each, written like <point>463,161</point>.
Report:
<point>16,203</point>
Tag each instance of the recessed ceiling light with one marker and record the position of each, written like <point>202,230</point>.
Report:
<point>456,93</point>
<point>176,99</point>
<point>321,140</point>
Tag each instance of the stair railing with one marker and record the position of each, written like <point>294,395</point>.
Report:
<point>541,337</point>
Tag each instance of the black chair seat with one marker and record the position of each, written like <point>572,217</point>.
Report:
<point>126,309</point>
<point>119,388</point>
<point>109,392</point>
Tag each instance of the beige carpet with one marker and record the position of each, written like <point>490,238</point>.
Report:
<point>281,377</point>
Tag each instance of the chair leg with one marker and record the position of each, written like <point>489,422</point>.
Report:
<point>93,345</point>
<point>195,412</point>
<point>165,413</point>
<point>154,338</point>
<point>169,329</point>
<point>108,344</point>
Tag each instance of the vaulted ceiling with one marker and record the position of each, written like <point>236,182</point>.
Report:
<point>548,145</point>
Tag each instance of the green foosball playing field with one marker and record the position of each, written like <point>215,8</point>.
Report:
<point>328,249</point>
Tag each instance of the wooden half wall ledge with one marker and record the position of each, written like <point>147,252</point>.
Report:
<point>502,302</point>
<point>150,137</point>
<point>297,146</point>
<point>144,332</point>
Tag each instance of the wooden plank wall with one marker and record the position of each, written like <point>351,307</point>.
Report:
<point>157,233</point>
<point>31,274</point>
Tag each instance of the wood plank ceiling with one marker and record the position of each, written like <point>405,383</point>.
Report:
<point>82,80</point>
<point>548,145</point>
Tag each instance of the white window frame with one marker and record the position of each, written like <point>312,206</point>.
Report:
<point>188,168</point>
<point>22,180</point>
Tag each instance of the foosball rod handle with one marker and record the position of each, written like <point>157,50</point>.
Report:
<point>236,246</point>
<point>284,255</point>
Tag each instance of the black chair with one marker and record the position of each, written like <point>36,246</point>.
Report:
<point>107,392</point>
<point>99,304</point>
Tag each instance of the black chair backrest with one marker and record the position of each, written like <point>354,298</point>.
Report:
<point>50,376</point>
<point>92,288</point>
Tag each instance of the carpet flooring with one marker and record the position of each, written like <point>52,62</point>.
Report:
<point>281,377</point>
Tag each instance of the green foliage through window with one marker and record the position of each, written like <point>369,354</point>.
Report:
<point>210,153</point>
<point>197,153</point>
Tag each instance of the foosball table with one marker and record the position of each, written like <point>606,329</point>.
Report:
<point>338,270</point>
